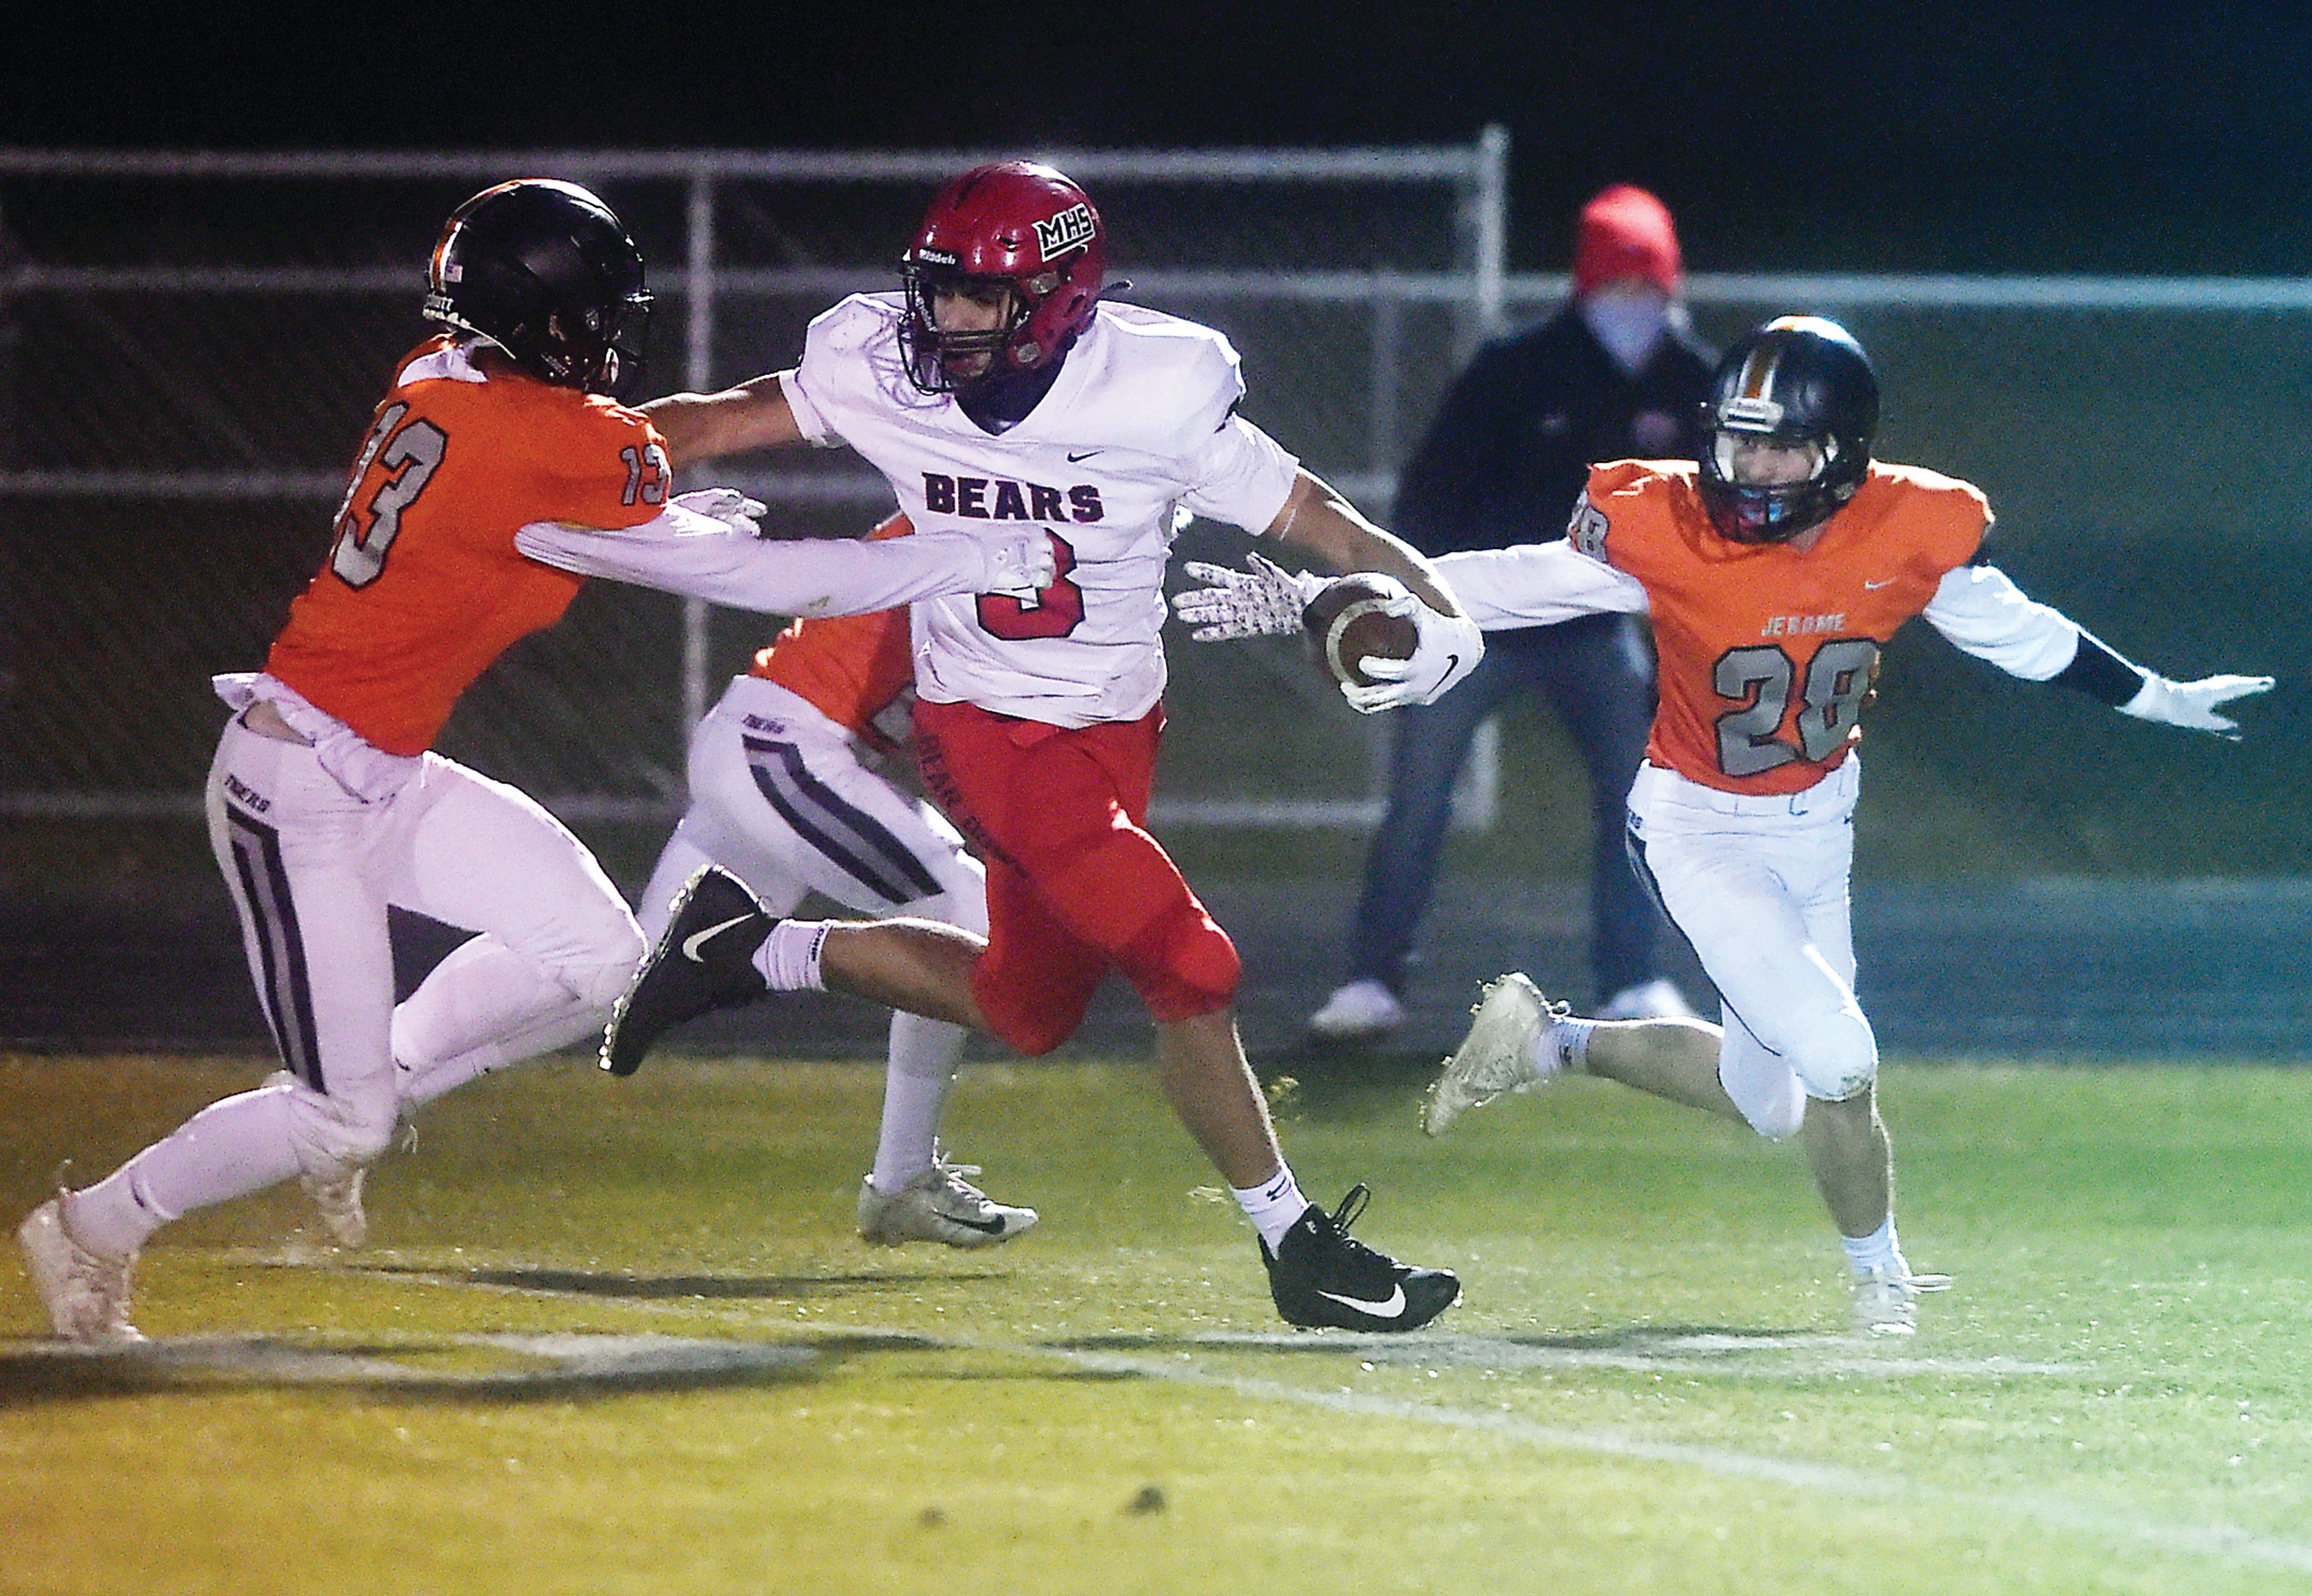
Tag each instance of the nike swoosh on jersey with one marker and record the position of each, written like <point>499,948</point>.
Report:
<point>1875,586</point>
<point>697,939</point>
<point>1391,1306</point>
<point>1079,458</point>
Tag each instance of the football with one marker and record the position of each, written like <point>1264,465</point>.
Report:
<point>1349,624</point>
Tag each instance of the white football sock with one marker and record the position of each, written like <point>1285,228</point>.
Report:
<point>788,959</point>
<point>1274,1205</point>
<point>1879,1249</point>
<point>235,1146</point>
<point>1564,1045</point>
<point>916,1086</point>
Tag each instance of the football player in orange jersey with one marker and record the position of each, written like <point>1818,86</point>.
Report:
<point>1774,571</point>
<point>498,473</point>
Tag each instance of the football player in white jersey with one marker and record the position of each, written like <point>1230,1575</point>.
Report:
<point>998,390</point>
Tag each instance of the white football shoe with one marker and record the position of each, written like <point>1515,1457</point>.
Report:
<point>338,1197</point>
<point>1648,1000</point>
<point>1359,1012</point>
<point>1887,1299</point>
<point>85,1293</point>
<point>939,1205</point>
<point>1507,1050</point>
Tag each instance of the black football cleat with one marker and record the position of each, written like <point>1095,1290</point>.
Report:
<point>1323,1278</point>
<point>706,961</point>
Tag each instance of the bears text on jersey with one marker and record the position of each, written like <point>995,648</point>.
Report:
<point>998,498</point>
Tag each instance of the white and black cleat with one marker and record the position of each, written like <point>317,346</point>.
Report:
<point>1322,1277</point>
<point>704,960</point>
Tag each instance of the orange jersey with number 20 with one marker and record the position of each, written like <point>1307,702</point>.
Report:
<point>423,587</point>
<point>1767,653</point>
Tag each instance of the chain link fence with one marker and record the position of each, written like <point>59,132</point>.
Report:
<point>190,346</point>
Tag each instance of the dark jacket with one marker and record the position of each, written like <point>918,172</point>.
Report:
<point>1512,443</point>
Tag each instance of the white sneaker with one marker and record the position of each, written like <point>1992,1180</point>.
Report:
<point>1357,1013</point>
<point>1648,1000</point>
<point>939,1205</point>
<point>1503,1052</point>
<point>339,1199</point>
<point>85,1293</point>
<point>1887,1299</point>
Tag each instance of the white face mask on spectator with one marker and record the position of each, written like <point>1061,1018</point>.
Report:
<point>1628,317</point>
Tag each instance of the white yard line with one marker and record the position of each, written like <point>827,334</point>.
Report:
<point>2217,1543</point>
<point>2225,1545</point>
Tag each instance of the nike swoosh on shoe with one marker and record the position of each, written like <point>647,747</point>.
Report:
<point>697,939</point>
<point>1391,1306</point>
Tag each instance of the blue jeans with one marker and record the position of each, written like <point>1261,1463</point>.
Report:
<point>1595,672</point>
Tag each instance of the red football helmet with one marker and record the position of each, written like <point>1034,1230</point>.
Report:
<point>1016,225</point>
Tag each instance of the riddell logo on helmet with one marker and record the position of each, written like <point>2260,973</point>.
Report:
<point>1064,232</point>
<point>931,257</point>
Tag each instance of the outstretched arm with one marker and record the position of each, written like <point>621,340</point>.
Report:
<point>1319,521</point>
<point>1328,528</point>
<point>705,546</point>
<point>755,415</point>
<point>1985,614</point>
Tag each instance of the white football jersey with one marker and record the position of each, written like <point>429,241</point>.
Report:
<point>1138,432</point>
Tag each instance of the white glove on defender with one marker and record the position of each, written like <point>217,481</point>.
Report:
<point>2193,704</point>
<point>1019,564</point>
<point>1450,647</point>
<point>728,505</point>
<point>1265,601</point>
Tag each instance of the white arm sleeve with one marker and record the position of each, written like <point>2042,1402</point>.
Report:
<point>1538,584</point>
<point>1986,614</point>
<point>699,558</point>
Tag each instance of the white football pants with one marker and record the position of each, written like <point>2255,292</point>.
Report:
<point>1760,887</point>
<point>778,797</point>
<point>311,869</point>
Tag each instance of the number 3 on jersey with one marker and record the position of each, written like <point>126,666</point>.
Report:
<point>1837,680</point>
<point>409,458</point>
<point>1055,611</point>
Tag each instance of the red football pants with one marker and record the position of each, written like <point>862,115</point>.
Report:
<point>1076,884</point>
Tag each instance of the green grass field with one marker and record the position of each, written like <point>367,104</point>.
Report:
<point>617,1337</point>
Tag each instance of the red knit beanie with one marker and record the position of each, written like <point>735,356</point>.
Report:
<point>1625,232</point>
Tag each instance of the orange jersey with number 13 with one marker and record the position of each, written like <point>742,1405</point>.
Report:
<point>423,587</point>
<point>1767,654</point>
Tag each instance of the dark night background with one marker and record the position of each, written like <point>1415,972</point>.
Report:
<point>1998,137</point>
<point>1995,136</point>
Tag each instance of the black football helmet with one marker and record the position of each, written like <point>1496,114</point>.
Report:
<point>545,271</point>
<point>1798,379</point>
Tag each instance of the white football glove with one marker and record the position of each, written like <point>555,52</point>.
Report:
<point>1449,648</point>
<point>1019,565</point>
<point>2193,704</point>
<point>728,505</point>
<point>1265,601</point>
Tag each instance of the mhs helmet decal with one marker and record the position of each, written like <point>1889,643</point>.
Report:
<point>1014,225</point>
<point>1072,227</point>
